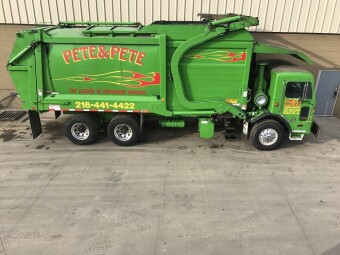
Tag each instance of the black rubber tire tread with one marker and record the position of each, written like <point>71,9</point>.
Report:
<point>132,121</point>
<point>97,119</point>
<point>90,121</point>
<point>261,125</point>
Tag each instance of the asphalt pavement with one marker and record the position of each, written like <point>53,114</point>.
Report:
<point>174,193</point>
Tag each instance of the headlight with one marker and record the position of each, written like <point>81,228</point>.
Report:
<point>261,100</point>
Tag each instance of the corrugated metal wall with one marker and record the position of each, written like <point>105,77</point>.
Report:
<point>304,16</point>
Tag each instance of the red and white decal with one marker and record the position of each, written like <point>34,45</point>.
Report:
<point>93,110</point>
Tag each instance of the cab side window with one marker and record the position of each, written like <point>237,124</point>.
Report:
<point>295,90</point>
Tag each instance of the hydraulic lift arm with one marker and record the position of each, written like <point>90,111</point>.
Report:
<point>214,29</point>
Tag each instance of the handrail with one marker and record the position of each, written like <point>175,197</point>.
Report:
<point>234,22</point>
<point>225,20</point>
<point>98,23</point>
<point>217,106</point>
<point>21,53</point>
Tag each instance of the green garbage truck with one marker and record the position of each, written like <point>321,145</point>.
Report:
<point>117,74</point>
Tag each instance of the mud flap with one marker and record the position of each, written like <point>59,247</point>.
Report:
<point>57,114</point>
<point>316,129</point>
<point>35,123</point>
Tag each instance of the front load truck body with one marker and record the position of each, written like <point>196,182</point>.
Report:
<point>121,73</point>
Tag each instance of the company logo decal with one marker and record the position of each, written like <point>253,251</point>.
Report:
<point>102,52</point>
<point>128,79</point>
<point>221,56</point>
<point>291,106</point>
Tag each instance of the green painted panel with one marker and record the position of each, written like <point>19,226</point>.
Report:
<point>111,70</point>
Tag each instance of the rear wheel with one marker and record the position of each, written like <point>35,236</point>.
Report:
<point>82,129</point>
<point>124,130</point>
<point>267,135</point>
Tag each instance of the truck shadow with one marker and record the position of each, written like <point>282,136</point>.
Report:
<point>188,136</point>
<point>154,133</point>
<point>55,129</point>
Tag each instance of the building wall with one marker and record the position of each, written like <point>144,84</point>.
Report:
<point>302,16</point>
<point>321,48</point>
<point>7,39</point>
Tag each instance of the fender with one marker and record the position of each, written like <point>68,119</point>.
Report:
<point>268,115</point>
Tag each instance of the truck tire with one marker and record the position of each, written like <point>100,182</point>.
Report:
<point>267,135</point>
<point>124,130</point>
<point>82,129</point>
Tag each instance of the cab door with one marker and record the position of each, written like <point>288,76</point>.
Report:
<point>298,106</point>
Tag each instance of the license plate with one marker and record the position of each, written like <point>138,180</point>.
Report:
<point>315,128</point>
<point>245,128</point>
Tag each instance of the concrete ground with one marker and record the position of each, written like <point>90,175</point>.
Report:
<point>172,194</point>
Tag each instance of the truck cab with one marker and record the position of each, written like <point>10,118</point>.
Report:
<point>290,103</point>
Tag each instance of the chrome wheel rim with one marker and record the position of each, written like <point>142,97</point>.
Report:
<point>123,132</point>
<point>80,131</point>
<point>268,136</point>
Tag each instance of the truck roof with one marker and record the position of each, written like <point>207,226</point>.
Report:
<point>177,31</point>
<point>234,24</point>
<point>288,68</point>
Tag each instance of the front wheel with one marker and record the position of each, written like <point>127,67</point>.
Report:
<point>267,135</point>
<point>124,130</point>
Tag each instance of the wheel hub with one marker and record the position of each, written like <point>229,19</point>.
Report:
<point>268,136</point>
<point>80,131</point>
<point>123,132</point>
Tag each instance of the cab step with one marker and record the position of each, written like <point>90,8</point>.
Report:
<point>296,137</point>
